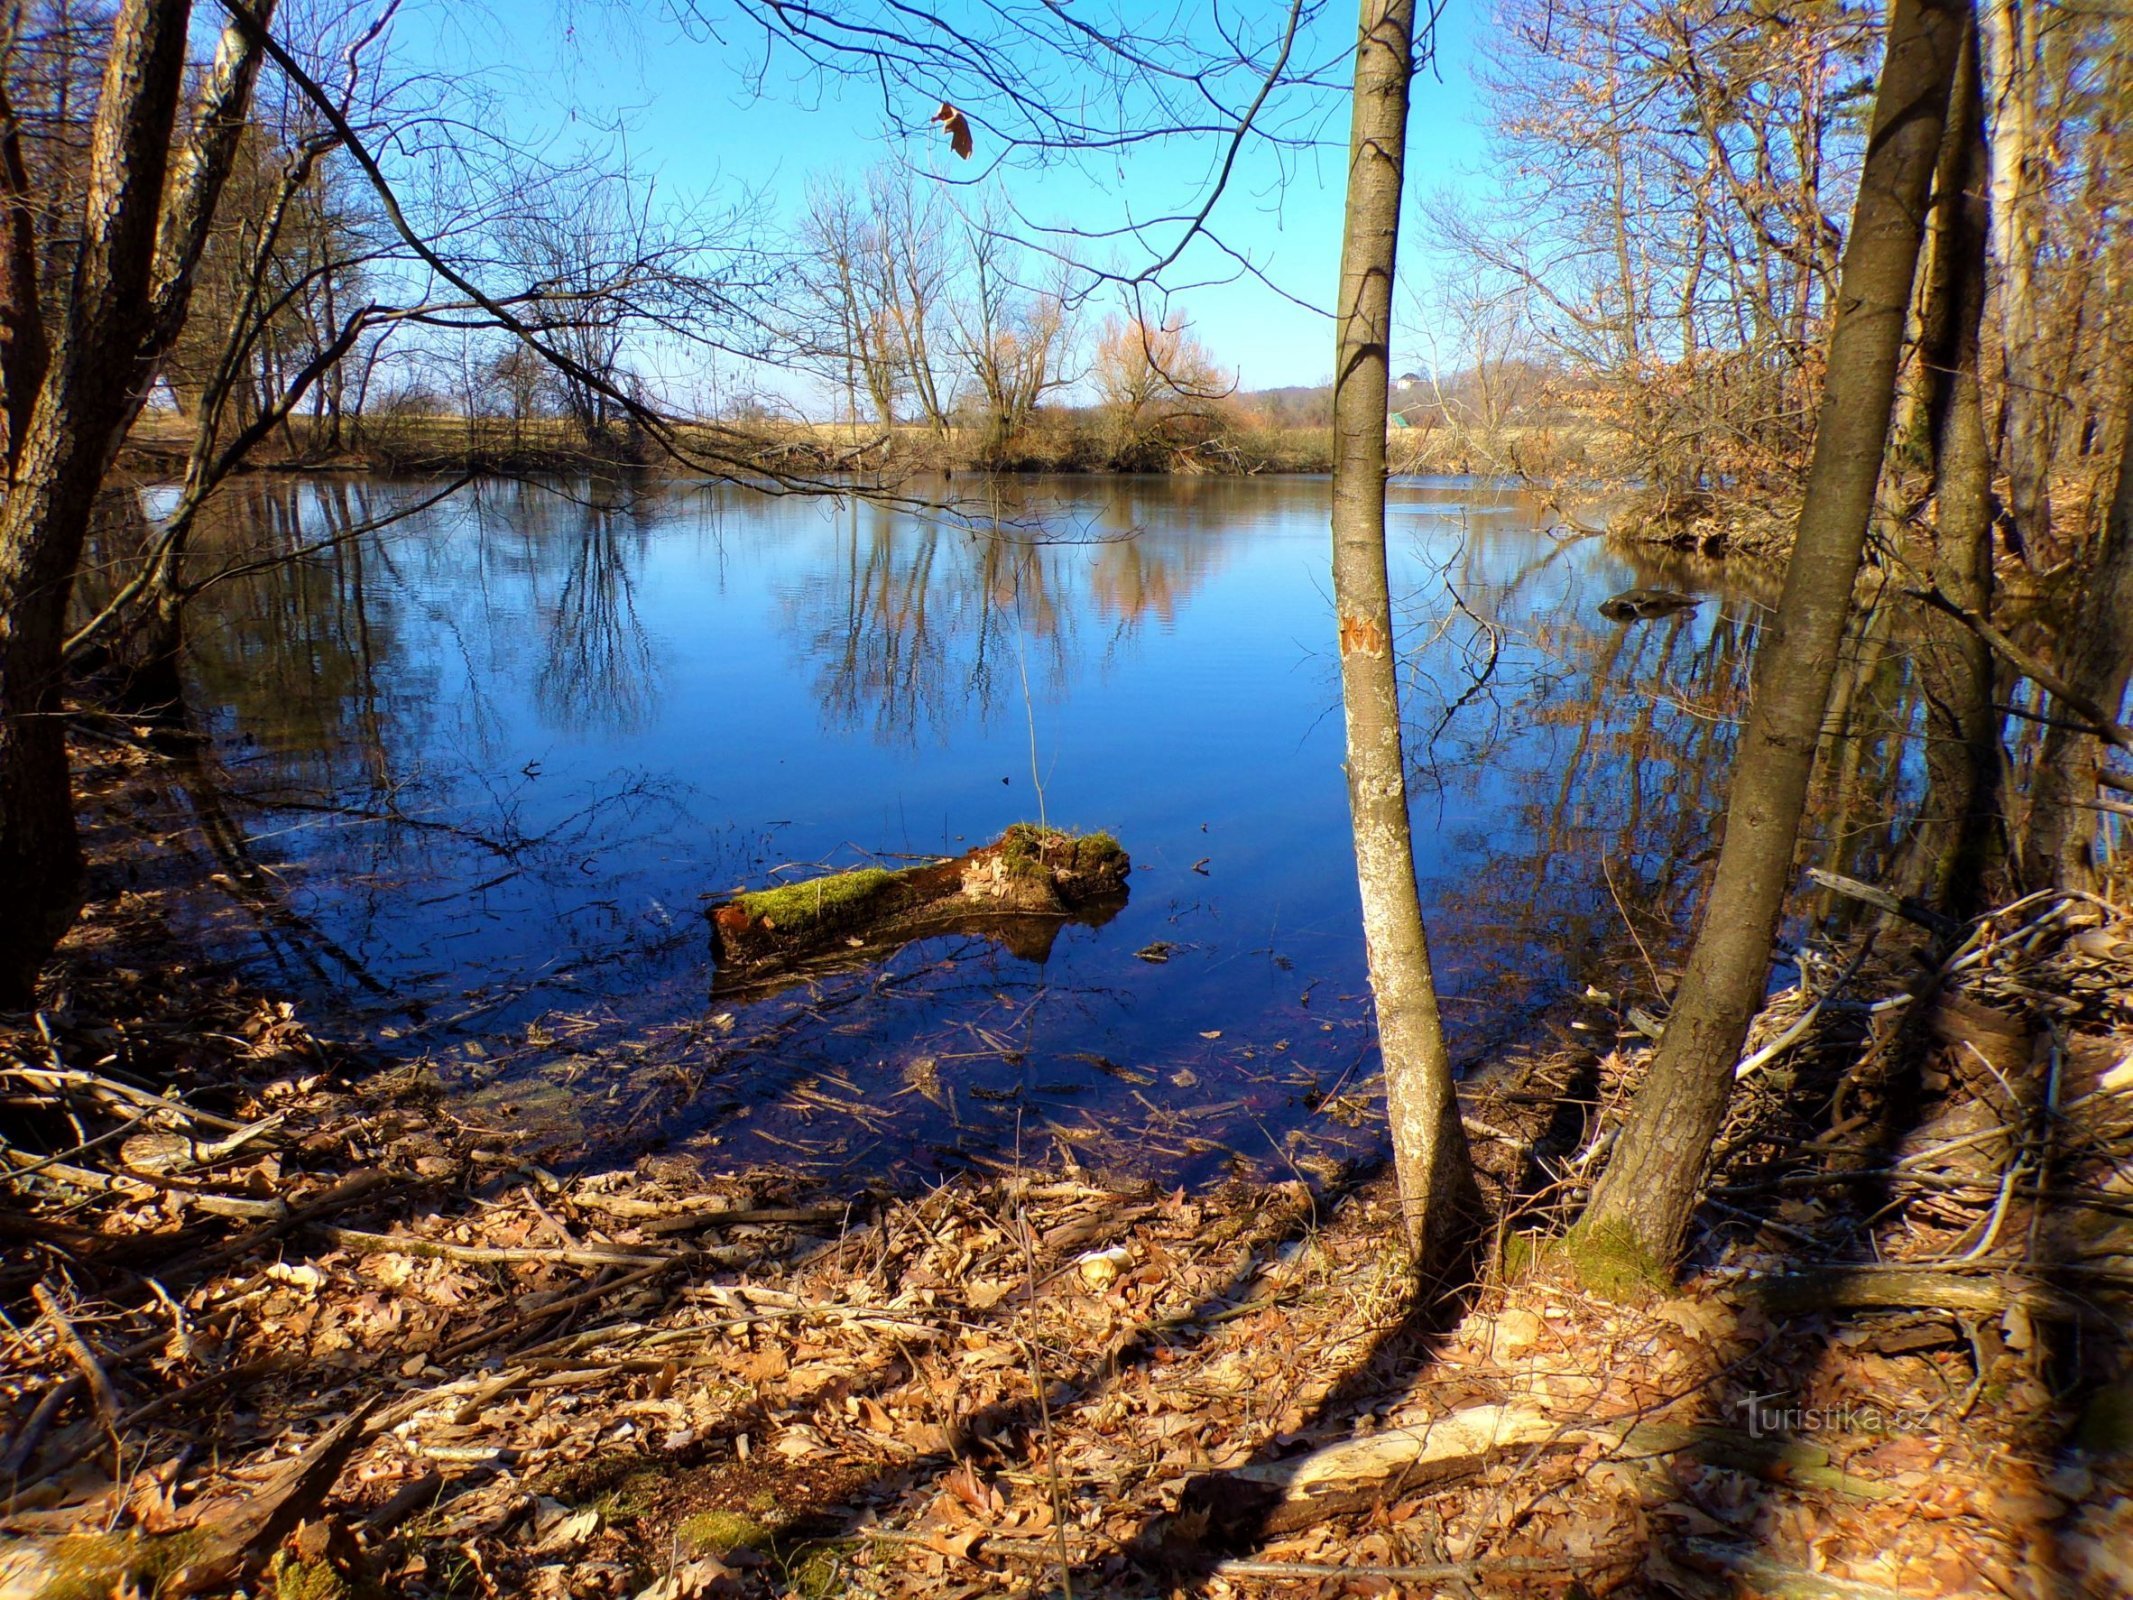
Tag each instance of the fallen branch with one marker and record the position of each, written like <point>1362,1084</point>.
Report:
<point>408,1244</point>
<point>1897,1288</point>
<point>1895,905</point>
<point>78,1351</point>
<point>1275,1497</point>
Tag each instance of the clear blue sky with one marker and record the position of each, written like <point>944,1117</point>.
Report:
<point>691,114</point>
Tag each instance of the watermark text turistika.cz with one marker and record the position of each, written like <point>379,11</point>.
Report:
<point>1770,1415</point>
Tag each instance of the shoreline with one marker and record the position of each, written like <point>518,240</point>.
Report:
<point>655,1372</point>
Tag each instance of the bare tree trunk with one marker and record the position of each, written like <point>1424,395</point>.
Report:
<point>2060,847</point>
<point>1643,1201</point>
<point>1960,813</point>
<point>23,351</point>
<point>127,302</point>
<point>2020,168</point>
<point>1428,1140</point>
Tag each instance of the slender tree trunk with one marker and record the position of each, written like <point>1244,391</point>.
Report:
<point>2060,847</point>
<point>2020,167</point>
<point>1644,1200</point>
<point>1428,1140</point>
<point>1954,843</point>
<point>23,351</point>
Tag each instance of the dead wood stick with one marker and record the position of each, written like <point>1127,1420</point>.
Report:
<point>690,1221</point>
<point>398,1412</point>
<point>83,1178</point>
<point>854,1316</point>
<point>344,1193</point>
<point>62,1078</point>
<point>1896,905</point>
<point>92,1370</point>
<point>408,1244</point>
<point>1896,1288</point>
<point>556,1308</point>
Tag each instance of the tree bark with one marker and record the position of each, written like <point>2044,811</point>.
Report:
<point>1644,1200</point>
<point>23,351</point>
<point>2059,850</point>
<point>1428,1140</point>
<point>1954,843</point>
<point>2020,169</point>
<point>127,301</point>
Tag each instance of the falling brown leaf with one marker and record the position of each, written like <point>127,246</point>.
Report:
<point>958,127</point>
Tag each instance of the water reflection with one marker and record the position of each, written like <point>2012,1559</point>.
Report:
<point>920,624</point>
<point>498,755</point>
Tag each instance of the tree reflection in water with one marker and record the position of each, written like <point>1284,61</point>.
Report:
<point>495,756</point>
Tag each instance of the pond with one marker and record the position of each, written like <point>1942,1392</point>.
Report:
<point>495,758</point>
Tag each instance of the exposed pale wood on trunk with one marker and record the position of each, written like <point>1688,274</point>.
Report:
<point>1429,1143</point>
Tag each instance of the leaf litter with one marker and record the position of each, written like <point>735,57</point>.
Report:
<point>283,1323</point>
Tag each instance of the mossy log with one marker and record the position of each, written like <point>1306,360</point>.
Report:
<point>1017,891</point>
<point>1641,605</point>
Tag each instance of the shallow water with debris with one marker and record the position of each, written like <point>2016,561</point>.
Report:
<point>494,759</point>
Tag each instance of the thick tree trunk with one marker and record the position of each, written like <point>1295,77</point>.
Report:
<point>144,227</point>
<point>2060,846</point>
<point>1428,1140</point>
<point>1960,813</point>
<point>81,410</point>
<point>1644,1200</point>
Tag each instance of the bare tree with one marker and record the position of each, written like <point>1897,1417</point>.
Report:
<point>1013,339</point>
<point>1428,1139</point>
<point>1641,1206</point>
<point>1673,181</point>
<point>1158,387</point>
<point>144,220</point>
<point>844,332</point>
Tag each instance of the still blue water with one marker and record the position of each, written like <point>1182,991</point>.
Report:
<point>501,754</point>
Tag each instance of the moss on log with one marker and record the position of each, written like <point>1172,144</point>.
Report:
<point>1018,890</point>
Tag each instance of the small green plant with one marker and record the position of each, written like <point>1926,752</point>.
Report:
<point>718,1533</point>
<point>295,1579</point>
<point>816,1572</point>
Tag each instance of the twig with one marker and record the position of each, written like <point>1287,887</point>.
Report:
<point>77,1349</point>
<point>407,1244</point>
<point>75,1078</point>
<point>555,1308</point>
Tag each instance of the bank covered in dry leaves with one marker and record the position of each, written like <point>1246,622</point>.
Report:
<point>283,1322</point>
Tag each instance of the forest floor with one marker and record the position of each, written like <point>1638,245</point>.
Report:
<point>282,1320</point>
